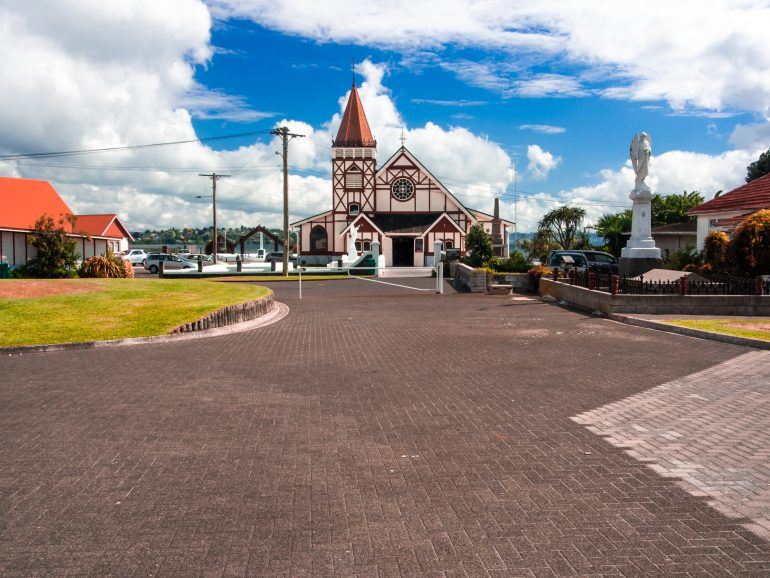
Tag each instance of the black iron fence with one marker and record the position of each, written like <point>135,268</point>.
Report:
<point>618,285</point>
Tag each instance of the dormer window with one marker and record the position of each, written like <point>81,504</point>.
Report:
<point>354,209</point>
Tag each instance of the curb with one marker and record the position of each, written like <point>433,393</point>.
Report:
<point>278,312</point>
<point>689,332</point>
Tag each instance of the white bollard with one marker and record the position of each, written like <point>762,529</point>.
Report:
<point>376,255</point>
<point>439,266</point>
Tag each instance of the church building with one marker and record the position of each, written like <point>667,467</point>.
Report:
<point>400,203</point>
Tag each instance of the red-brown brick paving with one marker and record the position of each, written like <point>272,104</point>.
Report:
<point>373,434</point>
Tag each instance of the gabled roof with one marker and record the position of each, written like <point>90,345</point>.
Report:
<point>441,218</point>
<point>311,218</point>
<point>753,195</point>
<point>23,201</point>
<point>362,217</point>
<point>476,213</point>
<point>403,151</point>
<point>687,228</point>
<point>354,129</point>
<point>107,225</point>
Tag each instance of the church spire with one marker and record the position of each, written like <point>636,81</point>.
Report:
<point>354,129</point>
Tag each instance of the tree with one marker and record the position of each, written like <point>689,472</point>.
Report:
<point>716,247</point>
<point>673,208</point>
<point>611,228</point>
<point>562,225</point>
<point>759,168</point>
<point>56,257</point>
<point>750,247</point>
<point>478,243</point>
<point>538,246</point>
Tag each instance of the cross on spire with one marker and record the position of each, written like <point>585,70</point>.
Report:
<point>353,70</point>
<point>402,138</point>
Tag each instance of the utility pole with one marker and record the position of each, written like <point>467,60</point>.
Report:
<point>214,178</point>
<point>286,136</point>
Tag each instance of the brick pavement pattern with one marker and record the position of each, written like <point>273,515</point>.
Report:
<point>710,429</point>
<point>374,431</point>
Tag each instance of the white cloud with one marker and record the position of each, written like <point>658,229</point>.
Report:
<point>541,162</point>
<point>456,103</point>
<point>543,128</point>
<point>693,54</point>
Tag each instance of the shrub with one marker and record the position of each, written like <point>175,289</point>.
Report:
<point>478,244</point>
<point>716,251</point>
<point>750,247</point>
<point>539,271</point>
<point>682,258</point>
<point>105,266</point>
<point>516,263</point>
<point>56,257</point>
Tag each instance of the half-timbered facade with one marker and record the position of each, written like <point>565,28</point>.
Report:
<point>399,204</point>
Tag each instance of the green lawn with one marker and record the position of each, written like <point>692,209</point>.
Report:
<point>757,328</point>
<point>111,308</point>
<point>278,278</point>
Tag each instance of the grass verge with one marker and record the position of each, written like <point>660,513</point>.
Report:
<point>279,278</point>
<point>113,309</point>
<point>750,328</point>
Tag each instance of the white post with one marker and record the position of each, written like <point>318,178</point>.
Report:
<point>300,282</point>
<point>437,245</point>
<point>260,241</point>
<point>376,255</point>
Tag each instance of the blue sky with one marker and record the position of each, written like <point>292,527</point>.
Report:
<point>555,88</point>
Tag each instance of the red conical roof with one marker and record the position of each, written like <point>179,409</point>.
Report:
<point>354,129</point>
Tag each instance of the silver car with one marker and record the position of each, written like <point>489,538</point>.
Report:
<point>134,256</point>
<point>152,262</point>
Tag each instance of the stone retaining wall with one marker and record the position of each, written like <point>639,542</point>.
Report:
<point>230,315</point>
<point>748,305</point>
<point>466,277</point>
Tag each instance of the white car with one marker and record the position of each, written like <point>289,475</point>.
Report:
<point>152,263</point>
<point>134,256</point>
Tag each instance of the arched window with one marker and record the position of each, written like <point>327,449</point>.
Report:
<point>354,209</point>
<point>358,246</point>
<point>367,245</point>
<point>448,244</point>
<point>318,239</point>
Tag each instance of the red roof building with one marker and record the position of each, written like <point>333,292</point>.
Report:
<point>24,201</point>
<point>724,212</point>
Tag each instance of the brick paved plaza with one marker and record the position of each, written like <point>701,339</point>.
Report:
<point>372,432</point>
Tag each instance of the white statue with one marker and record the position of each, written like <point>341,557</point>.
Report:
<point>352,253</point>
<point>641,245</point>
<point>641,150</point>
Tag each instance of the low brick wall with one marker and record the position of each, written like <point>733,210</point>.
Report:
<point>466,277</point>
<point>583,298</point>
<point>230,315</point>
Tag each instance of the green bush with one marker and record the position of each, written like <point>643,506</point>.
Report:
<point>516,263</point>
<point>478,245</point>
<point>106,266</point>
<point>56,257</point>
<point>750,247</point>
<point>682,258</point>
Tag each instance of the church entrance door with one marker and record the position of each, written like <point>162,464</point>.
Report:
<point>403,251</point>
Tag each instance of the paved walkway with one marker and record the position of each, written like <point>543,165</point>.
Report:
<point>372,432</point>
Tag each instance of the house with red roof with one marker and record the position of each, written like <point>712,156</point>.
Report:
<point>398,204</point>
<point>724,212</point>
<point>23,201</point>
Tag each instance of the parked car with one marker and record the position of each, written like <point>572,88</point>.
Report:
<point>196,257</point>
<point>152,262</point>
<point>134,256</point>
<point>595,261</point>
<point>278,257</point>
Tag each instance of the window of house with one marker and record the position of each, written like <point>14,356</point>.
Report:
<point>449,244</point>
<point>367,245</point>
<point>339,153</point>
<point>348,153</point>
<point>359,153</point>
<point>354,209</point>
<point>418,245</point>
<point>358,246</point>
<point>367,153</point>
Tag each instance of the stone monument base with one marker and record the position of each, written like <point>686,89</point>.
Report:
<point>634,266</point>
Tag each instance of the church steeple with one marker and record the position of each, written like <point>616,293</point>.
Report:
<point>354,129</point>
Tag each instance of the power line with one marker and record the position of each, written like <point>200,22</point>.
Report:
<point>131,147</point>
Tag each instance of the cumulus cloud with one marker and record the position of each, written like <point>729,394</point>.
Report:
<point>541,162</point>
<point>692,54</point>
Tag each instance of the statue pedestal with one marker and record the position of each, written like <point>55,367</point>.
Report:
<point>640,253</point>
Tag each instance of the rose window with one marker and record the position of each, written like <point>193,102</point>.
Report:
<point>402,189</point>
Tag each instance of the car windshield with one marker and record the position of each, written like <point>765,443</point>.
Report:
<point>601,258</point>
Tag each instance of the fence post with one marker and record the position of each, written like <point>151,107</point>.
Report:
<point>272,265</point>
<point>555,274</point>
<point>161,268</point>
<point>437,246</point>
<point>591,280</point>
<point>683,285</point>
<point>571,276</point>
<point>200,265</point>
<point>758,286</point>
<point>238,263</point>
<point>614,282</point>
<point>376,256</point>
